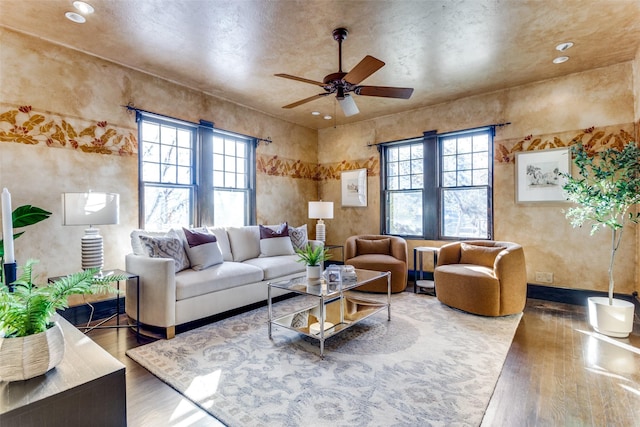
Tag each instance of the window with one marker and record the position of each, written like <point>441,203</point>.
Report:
<point>194,175</point>
<point>439,186</point>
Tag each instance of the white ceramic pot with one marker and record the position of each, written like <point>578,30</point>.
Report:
<point>614,320</point>
<point>314,272</point>
<point>28,357</point>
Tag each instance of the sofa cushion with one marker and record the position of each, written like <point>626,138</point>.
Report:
<point>136,244</point>
<point>479,255</point>
<point>170,246</point>
<point>275,242</point>
<point>191,283</point>
<point>277,266</point>
<point>299,237</point>
<point>377,246</point>
<point>223,242</point>
<point>245,242</point>
<point>202,249</point>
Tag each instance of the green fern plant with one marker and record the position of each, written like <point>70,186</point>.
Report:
<point>29,308</point>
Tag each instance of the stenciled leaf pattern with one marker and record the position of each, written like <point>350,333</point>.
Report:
<point>55,131</point>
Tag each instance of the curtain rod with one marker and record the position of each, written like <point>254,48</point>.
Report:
<point>495,125</point>
<point>208,124</point>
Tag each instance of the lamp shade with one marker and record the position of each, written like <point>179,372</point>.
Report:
<point>90,208</point>
<point>321,210</point>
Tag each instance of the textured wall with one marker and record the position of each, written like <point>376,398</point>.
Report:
<point>63,128</point>
<point>596,105</point>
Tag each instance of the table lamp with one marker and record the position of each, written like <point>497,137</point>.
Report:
<point>320,210</point>
<point>91,209</point>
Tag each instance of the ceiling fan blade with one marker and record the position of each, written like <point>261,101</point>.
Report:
<point>364,69</point>
<point>300,79</point>
<point>385,91</point>
<point>304,101</point>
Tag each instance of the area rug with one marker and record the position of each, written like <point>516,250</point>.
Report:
<point>429,366</point>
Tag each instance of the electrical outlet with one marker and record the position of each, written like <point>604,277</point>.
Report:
<point>544,277</point>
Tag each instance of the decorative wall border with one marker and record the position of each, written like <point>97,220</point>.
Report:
<point>279,166</point>
<point>594,138</point>
<point>23,125</point>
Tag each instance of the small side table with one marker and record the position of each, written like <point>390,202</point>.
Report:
<point>100,325</point>
<point>341,247</point>
<point>418,257</point>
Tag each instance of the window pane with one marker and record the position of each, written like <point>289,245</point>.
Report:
<point>229,147</point>
<point>404,152</point>
<point>480,177</point>
<point>464,162</point>
<point>405,213</point>
<point>150,132</point>
<point>169,154</point>
<point>417,151</point>
<point>151,152</point>
<point>404,168</point>
<point>151,172</point>
<point>184,175</point>
<point>218,179</point>
<point>184,138</point>
<point>218,145</point>
<point>464,145</point>
<point>168,135</point>
<point>464,178</point>
<point>449,163</point>
<point>480,160</point>
<point>218,162</point>
<point>481,142</point>
<point>464,213</point>
<point>392,169</point>
<point>449,146</point>
<point>184,156</point>
<point>241,149</point>
<point>166,208</point>
<point>416,166</point>
<point>393,183</point>
<point>230,208</point>
<point>405,182</point>
<point>229,179</point>
<point>449,179</point>
<point>392,154</point>
<point>229,164</point>
<point>169,174</point>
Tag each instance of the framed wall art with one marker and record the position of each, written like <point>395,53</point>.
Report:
<point>537,175</point>
<point>354,188</point>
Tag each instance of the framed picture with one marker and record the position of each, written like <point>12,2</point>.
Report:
<point>354,188</point>
<point>537,175</point>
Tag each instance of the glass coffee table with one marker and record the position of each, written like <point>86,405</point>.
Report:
<point>336,308</point>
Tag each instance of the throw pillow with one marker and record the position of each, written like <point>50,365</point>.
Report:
<point>479,255</point>
<point>223,241</point>
<point>169,246</point>
<point>202,249</point>
<point>136,244</point>
<point>378,246</point>
<point>299,238</point>
<point>245,242</point>
<point>275,242</point>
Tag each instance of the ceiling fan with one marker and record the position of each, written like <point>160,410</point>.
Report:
<point>342,83</point>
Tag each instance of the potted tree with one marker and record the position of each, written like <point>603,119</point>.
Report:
<point>31,342</point>
<point>313,257</point>
<point>606,192</point>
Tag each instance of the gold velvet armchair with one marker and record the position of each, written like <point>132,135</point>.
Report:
<point>379,253</point>
<point>482,277</point>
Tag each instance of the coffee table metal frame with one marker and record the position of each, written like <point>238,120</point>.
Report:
<point>326,294</point>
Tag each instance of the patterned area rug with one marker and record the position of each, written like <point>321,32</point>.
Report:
<point>430,365</point>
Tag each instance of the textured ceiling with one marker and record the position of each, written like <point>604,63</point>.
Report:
<point>444,49</point>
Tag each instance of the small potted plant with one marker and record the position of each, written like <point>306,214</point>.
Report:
<point>31,342</point>
<point>605,193</point>
<point>313,257</point>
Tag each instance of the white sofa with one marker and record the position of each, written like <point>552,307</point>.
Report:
<point>169,297</point>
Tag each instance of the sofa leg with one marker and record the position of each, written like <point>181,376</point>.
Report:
<point>171,332</point>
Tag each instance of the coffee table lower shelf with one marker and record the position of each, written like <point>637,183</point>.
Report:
<point>341,313</point>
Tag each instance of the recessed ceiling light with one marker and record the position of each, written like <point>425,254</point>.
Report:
<point>328,117</point>
<point>564,46</point>
<point>75,17</point>
<point>315,113</point>
<point>83,7</point>
<point>560,59</point>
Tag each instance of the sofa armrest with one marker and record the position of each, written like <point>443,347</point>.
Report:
<point>157,290</point>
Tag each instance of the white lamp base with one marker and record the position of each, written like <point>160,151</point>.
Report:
<point>92,249</point>
<point>320,230</point>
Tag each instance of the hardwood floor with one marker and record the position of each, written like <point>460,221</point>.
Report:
<point>557,373</point>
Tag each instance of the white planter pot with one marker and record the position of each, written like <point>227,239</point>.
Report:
<point>314,272</point>
<point>28,357</point>
<point>613,320</point>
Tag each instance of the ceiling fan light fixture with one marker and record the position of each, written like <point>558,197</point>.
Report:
<point>315,113</point>
<point>560,59</point>
<point>348,104</point>
<point>328,117</point>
